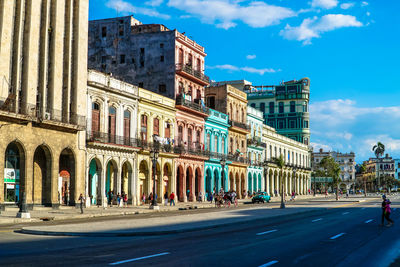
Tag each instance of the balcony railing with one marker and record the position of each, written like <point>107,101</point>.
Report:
<point>239,124</point>
<point>107,138</point>
<point>254,141</point>
<point>180,100</point>
<point>238,158</point>
<point>189,70</point>
<point>11,105</point>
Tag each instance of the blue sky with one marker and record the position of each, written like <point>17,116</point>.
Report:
<point>349,49</point>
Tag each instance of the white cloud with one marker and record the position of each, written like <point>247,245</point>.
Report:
<point>251,56</point>
<point>368,14</point>
<point>327,4</point>
<point>125,7</point>
<point>226,13</point>
<point>364,3</point>
<point>316,146</point>
<point>154,2</point>
<point>313,27</point>
<point>245,69</point>
<point>346,5</point>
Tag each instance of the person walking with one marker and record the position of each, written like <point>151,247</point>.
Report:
<point>172,199</point>
<point>82,200</point>
<point>386,210</point>
<point>119,200</point>
<point>125,198</point>
<point>166,199</point>
<point>200,196</point>
<point>143,198</point>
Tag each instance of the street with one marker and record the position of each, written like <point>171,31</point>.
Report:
<point>344,235</point>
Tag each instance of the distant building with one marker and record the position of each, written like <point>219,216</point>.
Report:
<point>376,168</point>
<point>397,169</point>
<point>346,162</point>
<point>284,106</point>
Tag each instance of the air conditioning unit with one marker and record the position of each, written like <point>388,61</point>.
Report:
<point>47,116</point>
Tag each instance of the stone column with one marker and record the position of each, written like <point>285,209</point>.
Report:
<point>55,195</point>
<point>102,177</point>
<point>134,188</point>
<point>290,184</point>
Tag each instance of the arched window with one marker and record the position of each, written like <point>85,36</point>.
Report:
<point>112,121</point>
<point>127,124</point>
<point>180,135</point>
<point>180,88</point>
<point>143,127</point>
<point>208,142</point>
<point>189,137</point>
<point>222,145</point>
<point>243,117</point>
<point>95,117</point>
<point>167,130</point>
<point>216,144</point>
<point>180,59</point>
<point>231,145</point>
<point>156,126</point>
<point>292,106</point>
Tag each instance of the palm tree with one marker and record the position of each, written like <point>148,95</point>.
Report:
<point>280,162</point>
<point>379,150</point>
<point>363,168</point>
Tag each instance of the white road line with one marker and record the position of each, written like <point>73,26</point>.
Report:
<point>268,264</point>
<point>344,213</point>
<point>368,221</point>
<point>336,236</point>
<point>141,258</point>
<point>316,220</point>
<point>267,232</point>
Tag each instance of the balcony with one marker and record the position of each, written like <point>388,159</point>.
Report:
<point>237,158</point>
<point>255,141</point>
<point>40,114</point>
<point>194,149</point>
<point>107,138</point>
<point>239,125</point>
<point>198,75</point>
<point>180,101</point>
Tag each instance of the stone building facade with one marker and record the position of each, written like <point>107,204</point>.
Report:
<point>297,170</point>
<point>111,144</point>
<point>43,74</point>
<point>233,102</point>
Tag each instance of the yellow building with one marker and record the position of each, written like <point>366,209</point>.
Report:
<point>156,120</point>
<point>43,74</point>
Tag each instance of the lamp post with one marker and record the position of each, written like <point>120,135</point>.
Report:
<point>154,152</point>
<point>223,163</point>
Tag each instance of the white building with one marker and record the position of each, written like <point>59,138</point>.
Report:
<point>111,144</point>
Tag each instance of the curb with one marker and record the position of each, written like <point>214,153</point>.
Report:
<point>167,232</point>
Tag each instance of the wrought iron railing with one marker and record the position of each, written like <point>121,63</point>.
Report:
<point>239,124</point>
<point>254,141</point>
<point>189,70</point>
<point>180,100</point>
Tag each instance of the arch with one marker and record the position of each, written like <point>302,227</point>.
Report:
<point>126,180</point>
<point>68,179</point>
<point>111,177</point>
<point>209,182</point>
<point>179,180</point>
<point>249,183</point>
<point>237,183</point>
<point>189,183</point>
<point>14,172</point>
<point>143,179</point>
<point>259,182</point>
<point>94,189</point>
<point>255,185</point>
<point>242,185</point>
<point>42,184</point>
<point>167,178</point>
<point>197,182</point>
<point>231,181</point>
<point>217,180</point>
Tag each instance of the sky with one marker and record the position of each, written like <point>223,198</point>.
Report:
<point>349,49</point>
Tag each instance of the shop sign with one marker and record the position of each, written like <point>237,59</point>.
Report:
<point>11,175</point>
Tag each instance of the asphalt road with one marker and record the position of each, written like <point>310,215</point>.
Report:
<point>342,236</point>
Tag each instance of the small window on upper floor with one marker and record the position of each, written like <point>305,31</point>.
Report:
<point>121,30</point>
<point>122,59</point>
<point>161,58</point>
<point>142,50</point>
<point>161,45</point>
<point>262,107</point>
<point>103,32</point>
<point>292,106</point>
<point>162,88</point>
<point>253,105</point>
<point>141,84</point>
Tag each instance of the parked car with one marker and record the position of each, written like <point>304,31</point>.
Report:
<point>261,197</point>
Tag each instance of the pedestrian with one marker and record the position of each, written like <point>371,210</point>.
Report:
<point>166,199</point>
<point>150,198</point>
<point>386,210</point>
<point>111,198</point>
<point>125,200</point>
<point>119,200</point>
<point>172,199</point>
<point>275,192</point>
<point>143,198</point>
<point>188,194</point>
<point>200,196</point>
<point>210,198</point>
<point>293,196</point>
<point>82,200</point>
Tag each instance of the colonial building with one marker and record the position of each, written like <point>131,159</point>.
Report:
<point>216,144</point>
<point>346,162</point>
<point>43,69</point>
<point>111,143</point>
<point>233,102</point>
<point>297,170</point>
<point>156,124</point>
<point>285,106</point>
<point>166,62</point>
<point>377,168</point>
<point>255,151</point>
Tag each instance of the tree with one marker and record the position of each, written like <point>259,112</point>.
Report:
<point>330,168</point>
<point>280,162</point>
<point>379,150</point>
<point>363,168</point>
<point>389,182</point>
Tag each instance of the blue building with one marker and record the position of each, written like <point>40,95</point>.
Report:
<point>255,150</point>
<point>216,143</point>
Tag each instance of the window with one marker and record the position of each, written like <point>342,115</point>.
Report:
<point>143,128</point>
<point>156,126</point>
<point>253,105</point>
<point>111,121</point>
<point>198,137</point>
<point>122,59</point>
<point>141,84</point>
<point>180,59</point>
<point>280,125</point>
<point>262,107</point>
<point>168,131</point>
<point>141,63</point>
<point>161,58</point>
<point>222,146</point>
<point>243,116</point>
<point>292,124</point>
<point>231,145</point>
<point>127,124</point>
<point>95,117</point>
<point>216,144</point>
<point>208,142</point>
<point>305,124</point>
<point>162,88</point>
<point>180,134</point>
<point>242,144</point>
<point>121,30</point>
<point>189,137</point>
<point>281,107</point>
<point>103,32</point>
<point>305,107</point>
<point>190,60</point>
<point>133,61</point>
<point>142,51</point>
<point>292,106</point>
<point>161,45</point>
<point>271,107</point>
<point>198,65</point>
<point>103,59</point>
<point>180,88</point>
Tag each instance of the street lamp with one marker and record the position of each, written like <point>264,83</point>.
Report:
<point>154,152</point>
<point>223,162</point>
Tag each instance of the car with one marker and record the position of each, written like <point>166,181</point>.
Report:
<point>261,197</point>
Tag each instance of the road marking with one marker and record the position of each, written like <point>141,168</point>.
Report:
<point>268,264</point>
<point>336,236</point>
<point>141,258</point>
<point>363,208</point>
<point>316,220</point>
<point>6,231</point>
<point>344,213</point>
<point>368,221</point>
<point>267,232</point>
